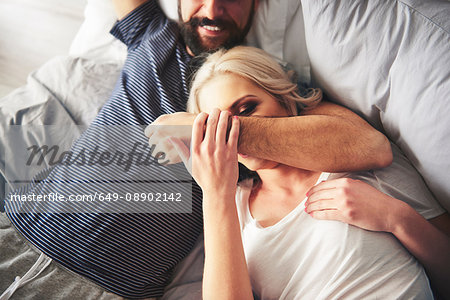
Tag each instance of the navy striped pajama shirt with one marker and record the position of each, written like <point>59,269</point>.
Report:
<point>130,254</point>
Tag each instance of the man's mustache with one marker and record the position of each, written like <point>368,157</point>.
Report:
<point>195,22</point>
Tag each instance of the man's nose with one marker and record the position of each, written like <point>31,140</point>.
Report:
<point>213,8</point>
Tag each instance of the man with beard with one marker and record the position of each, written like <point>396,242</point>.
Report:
<point>133,254</point>
<point>204,33</point>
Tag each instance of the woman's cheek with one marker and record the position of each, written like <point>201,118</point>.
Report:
<point>252,163</point>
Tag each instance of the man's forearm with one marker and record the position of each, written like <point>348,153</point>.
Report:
<point>329,138</point>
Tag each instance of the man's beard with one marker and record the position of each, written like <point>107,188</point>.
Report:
<point>189,32</point>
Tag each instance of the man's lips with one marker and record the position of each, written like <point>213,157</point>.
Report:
<point>211,30</point>
<point>243,155</point>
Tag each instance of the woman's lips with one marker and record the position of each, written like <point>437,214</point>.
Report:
<point>243,155</point>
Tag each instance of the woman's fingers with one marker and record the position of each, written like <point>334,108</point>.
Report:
<point>211,125</point>
<point>322,204</point>
<point>324,194</point>
<point>234,133</point>
<point>216,129</point>
<point>330,184</point>
<point>198,129</point>
<point>222,127</point>
<point>351,201</point>
<point>329,214</point>
<point>331,194</point>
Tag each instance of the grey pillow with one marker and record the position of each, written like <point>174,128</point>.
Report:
<point>390,62</point>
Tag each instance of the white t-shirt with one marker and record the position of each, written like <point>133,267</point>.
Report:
<point>303,258</point>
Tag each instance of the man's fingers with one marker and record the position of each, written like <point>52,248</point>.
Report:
<point>198,129</point>
<point>149,130</point>
<point>159,144</point>
<point>163,149</point>
<point>182,150</point>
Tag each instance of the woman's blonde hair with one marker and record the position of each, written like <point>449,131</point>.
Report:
<point>261,69</point>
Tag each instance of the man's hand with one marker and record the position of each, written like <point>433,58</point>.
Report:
<point>177,125</point>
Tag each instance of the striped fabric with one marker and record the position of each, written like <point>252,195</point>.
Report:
<point>130,254</point>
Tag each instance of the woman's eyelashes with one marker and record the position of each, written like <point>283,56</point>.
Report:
<point>247,109</point>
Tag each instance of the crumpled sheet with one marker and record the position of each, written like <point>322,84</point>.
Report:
<point>67,92</point>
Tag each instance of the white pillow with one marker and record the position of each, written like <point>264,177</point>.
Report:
<point>278,28</point>
<point>93,39</point>
<point>390,61</point>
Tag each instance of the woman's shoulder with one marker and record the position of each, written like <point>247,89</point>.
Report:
<point>243,192</point>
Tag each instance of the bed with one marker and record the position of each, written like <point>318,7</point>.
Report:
<point>389,61</point>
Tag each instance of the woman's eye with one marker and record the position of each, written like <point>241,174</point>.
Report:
<point>247,109</point>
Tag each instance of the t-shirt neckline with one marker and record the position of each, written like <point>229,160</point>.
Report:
<point>323,176</point>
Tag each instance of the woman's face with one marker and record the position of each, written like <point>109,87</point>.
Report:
<point>242,98</point>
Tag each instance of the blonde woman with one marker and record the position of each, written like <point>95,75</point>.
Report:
<point>265,234</point>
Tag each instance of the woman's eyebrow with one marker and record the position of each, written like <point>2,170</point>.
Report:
<point>238,101</point>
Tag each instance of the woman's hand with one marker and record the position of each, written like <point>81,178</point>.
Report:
<point>357,203</point>
<point>213,157</point>
<point>214,162</point>
<point>353,202</point>
<point>215,168</point>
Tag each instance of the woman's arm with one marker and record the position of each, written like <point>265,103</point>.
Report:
<point>215,168</point>
<point>357,203</point>
<point>225,273</point>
